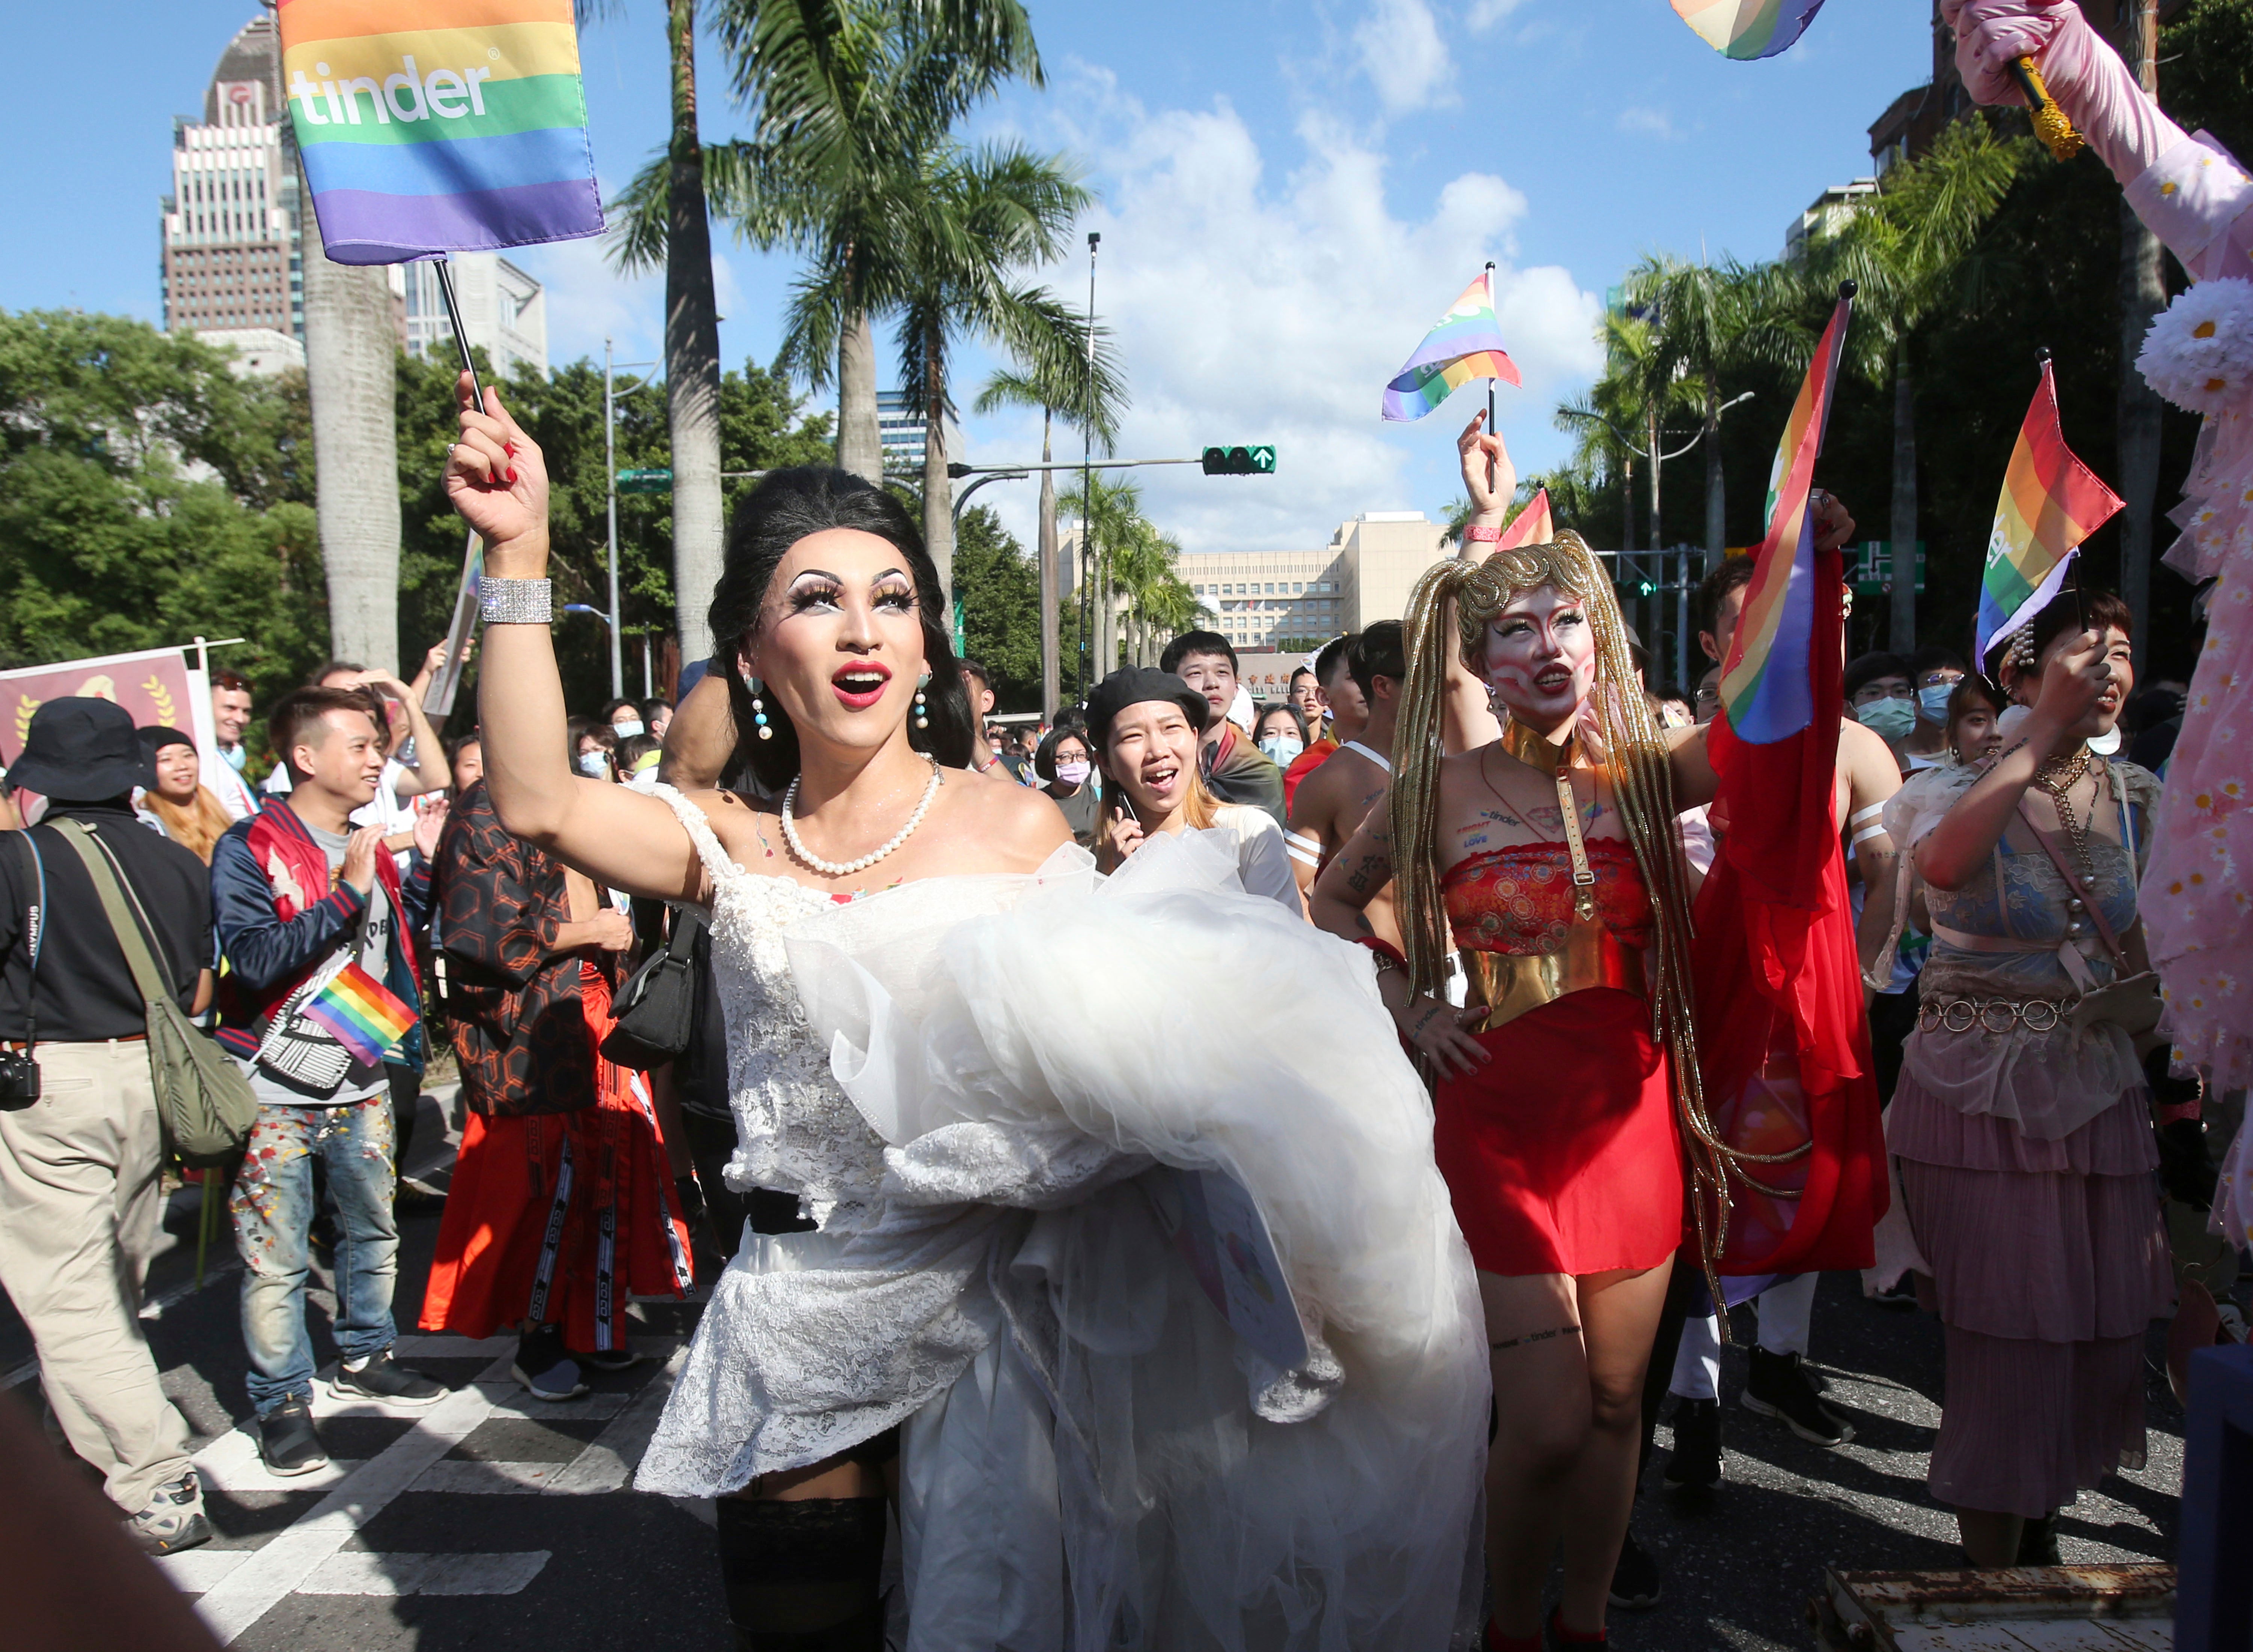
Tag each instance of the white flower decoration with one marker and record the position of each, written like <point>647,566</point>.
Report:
<point>2199,353</point>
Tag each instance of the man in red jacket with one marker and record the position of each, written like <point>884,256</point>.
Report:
<point>295,891</point>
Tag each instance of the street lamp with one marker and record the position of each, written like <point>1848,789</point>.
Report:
<point>611,484</point>
<point>589,608</point>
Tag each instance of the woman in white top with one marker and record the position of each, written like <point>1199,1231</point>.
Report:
<point>1171,1338</point>
<point>1146,725</point>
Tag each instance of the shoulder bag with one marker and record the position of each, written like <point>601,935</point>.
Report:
<point>202,1097</point>
<point>656,1009</point>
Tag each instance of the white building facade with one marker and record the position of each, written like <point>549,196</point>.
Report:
<point>1295,600</point>
<point>503,310</point>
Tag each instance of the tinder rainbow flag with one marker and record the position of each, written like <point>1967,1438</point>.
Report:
<point>1531,526</point>
<point>1746,28</point>
<point>2051,502</point>
<point>1466,345</point>
<point>1766,689</point>
<point>361,1012</point>
<point>433,126</point>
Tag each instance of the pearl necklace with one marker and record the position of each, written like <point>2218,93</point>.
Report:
<point>846,870</point>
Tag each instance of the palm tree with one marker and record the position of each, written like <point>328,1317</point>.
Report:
<point>1710,320</point>
<point>1122,544</point>
<point>351,348</point>
<point>1909,255</point>
<point>682,238</point>
<point>1088,393</point>
<point>974,218</point>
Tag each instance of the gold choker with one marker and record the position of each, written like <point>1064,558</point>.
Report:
<point>1535,750</point>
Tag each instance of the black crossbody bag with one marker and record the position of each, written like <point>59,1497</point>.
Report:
<point>19,1069</point>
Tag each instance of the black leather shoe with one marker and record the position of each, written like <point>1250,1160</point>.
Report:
<point>1777,1387</point>
<point>1695,1462</point>
<point>385,1380</point>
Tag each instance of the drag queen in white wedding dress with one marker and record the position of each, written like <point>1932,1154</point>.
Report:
<point>1128,1220</point>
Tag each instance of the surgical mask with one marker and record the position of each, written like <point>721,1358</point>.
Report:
<point>595,765</point>
<point>1282,750</point>
<point>1074,773</point>
<point>1889,719</point>
<point>1932,700</point>
<point>235,756</point>
<point>2106,744</point>
<point>627,729</point>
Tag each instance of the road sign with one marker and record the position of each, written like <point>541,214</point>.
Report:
<point>645,481</point>
<point>1869,567</point>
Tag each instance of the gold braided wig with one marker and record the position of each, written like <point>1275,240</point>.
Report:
<point>1450,608</point>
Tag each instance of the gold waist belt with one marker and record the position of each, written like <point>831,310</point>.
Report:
<point>1510,984</point>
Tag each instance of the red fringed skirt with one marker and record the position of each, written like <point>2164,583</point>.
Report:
<point>1562,1153</point>
<point>561,1217</point>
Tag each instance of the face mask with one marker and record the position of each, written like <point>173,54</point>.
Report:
<point>1074,773</point>
<point>627,729</point>
<point>595,765</point>
<point>2106,744</point>
<point>1282,750</point>
<point>1890,720</point>
<point>235,756</point>
<point>1933,701</point>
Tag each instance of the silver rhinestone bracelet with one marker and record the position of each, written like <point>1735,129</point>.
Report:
<point>516,602</point>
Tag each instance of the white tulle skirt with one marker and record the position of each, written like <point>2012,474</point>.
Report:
<point>1116,1466</point>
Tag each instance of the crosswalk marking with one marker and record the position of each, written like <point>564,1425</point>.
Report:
<point>239,1586</point>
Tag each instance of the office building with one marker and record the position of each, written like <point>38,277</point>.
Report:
<point>1829,214</point>
<point>503,310</point>
<point>899,425</point>
<point>231,252</point>
<point>1294,600</point>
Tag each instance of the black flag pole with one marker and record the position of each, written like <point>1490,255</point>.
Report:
<point>445,267</point>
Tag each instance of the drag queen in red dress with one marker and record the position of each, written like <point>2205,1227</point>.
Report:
<point>1568,1114</point>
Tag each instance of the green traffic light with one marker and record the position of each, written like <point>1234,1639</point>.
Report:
<point>1240,461</point>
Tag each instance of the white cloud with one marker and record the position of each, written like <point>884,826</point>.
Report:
<point>1404,57</point>
<point>1484,14</point>
<point>1650,123</point>
<point>1250,308</point>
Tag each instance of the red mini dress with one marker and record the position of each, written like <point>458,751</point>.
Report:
<point>1561,1154</point>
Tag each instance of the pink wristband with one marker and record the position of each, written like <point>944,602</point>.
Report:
<point>1477,531</point>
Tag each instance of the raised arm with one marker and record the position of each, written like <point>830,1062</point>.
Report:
<point>1873,775</point>
<point>497,479</point>
<point>701,737</point>
<point>429,770</point>
<point>1951,853</point>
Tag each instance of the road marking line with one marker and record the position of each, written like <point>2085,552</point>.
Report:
<point>608,1464</point>
<point>357,1571</point>
<point>247,1593</point>
<point>480,1477</point>
<point>200,1569</point>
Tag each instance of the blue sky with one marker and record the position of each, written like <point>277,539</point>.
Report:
<point>1292,194</point>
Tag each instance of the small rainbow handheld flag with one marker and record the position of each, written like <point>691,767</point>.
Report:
<point>361,1012</point>
<point>1531,526</point>
<point>1766,689</point>
<point>1466,345</point>
<point>1746,28</point>
<point>2051,502</point>
<point>431,126</point>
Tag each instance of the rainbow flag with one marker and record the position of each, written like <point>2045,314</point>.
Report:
<point>1531,526</point>
<point>433,126</point>
<point>361,1012</point>
<point>1767,690</point>
<point>1747,29</point>
<point>2051,502</point>
<point>1466,345</point>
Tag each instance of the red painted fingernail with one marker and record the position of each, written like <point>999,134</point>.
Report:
<point>511,473</point>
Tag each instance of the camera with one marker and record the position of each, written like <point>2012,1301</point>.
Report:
<point>19,1080</point>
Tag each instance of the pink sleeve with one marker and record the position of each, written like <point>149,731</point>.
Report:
<point>2189,190</point>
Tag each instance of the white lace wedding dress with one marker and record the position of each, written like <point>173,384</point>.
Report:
<point>980,1087</point>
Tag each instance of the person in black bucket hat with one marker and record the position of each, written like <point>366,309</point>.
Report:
<point>82,1157</point>
<point>1145,726</point>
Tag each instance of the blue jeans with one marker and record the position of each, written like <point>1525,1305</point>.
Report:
<point>273,1209</point>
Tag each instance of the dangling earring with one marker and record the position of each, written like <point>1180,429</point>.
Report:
<point>921,711</point>
<point>759,712</point>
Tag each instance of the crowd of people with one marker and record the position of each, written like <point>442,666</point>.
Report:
<point>1517,893</point>
<point>1195,1172</point>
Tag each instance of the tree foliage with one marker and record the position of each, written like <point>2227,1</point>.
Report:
<point>146,495</point>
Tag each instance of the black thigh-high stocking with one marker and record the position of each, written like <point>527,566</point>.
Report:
<point>803,1575</point>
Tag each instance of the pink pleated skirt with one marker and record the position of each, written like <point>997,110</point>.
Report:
<point>2049,1262</point>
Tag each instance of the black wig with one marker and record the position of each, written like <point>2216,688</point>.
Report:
<point>785,507</point>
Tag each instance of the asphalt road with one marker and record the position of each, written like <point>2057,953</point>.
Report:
<point>492,1520</point>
